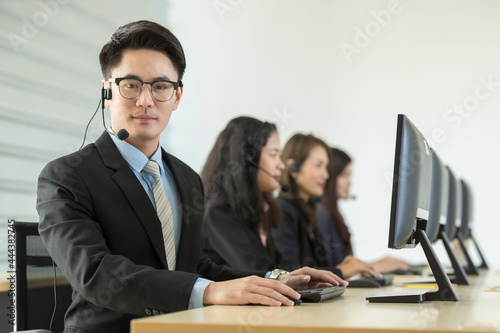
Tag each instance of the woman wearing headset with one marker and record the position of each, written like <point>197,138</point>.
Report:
<point>298,237</point>
<point>241,172</point>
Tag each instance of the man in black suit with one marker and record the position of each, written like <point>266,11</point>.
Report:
<point>97,206</point>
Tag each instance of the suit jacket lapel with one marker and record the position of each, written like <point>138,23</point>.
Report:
<point>134,192</point>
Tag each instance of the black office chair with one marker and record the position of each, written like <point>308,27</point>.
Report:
<point>38,279</point>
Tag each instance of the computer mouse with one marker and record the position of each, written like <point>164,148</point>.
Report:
<point>296,301</point>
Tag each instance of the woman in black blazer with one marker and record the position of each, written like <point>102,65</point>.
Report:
<point>298,236</point>
<point>241,173</point>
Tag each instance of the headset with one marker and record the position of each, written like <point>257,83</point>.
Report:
<point>105,95</point>
<point>249,159</point>
<point>295,167</point>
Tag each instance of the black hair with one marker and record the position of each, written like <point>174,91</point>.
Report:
<point>231,171</point>
<point>298,149</point>
<point>142,35</point>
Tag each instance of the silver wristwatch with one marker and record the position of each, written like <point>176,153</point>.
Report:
<point>277,272</point>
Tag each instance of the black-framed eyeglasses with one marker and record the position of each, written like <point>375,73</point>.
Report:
<point>161,90</point>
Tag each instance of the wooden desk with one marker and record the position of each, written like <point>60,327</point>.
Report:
<point>4,283</point>
<point>44,278</point>
<point>40,277</point>
<point>477,311</point>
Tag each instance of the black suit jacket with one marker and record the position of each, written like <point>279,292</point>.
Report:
<point>233,241</point>
<point>102,230</point>
<point>297,244</point>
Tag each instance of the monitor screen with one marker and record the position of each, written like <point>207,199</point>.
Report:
<point>439,198</point>
<point>467,210</point>
<point>454,215</point>
<point>465,228</point>
<point>411,209</point>
<point>411,184</point>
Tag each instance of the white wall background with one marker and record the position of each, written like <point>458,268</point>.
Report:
<point>280,60</point>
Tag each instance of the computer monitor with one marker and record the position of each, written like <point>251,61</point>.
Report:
<point>454,215</point>
<point>411,195</point>
<point>411,185</point>
<point>467,217</point>
<point>467,210</point>
<point>438,214</point>
<point>438,209</point>
<point>454,220</point>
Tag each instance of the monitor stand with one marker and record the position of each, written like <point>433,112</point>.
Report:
<point>483,262</point>
<point>471,268</point>
<point>460,275</point>
<point>445,290</point>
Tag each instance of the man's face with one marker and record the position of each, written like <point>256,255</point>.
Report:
<point>143,117</point>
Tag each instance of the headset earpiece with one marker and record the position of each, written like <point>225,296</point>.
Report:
<point>105,93</point>
<point>294,167</point>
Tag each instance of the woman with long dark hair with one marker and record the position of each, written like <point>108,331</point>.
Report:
<point>241,173</point>
<point>333,228</point>
<point>240,208</point>
<point>298,237</point>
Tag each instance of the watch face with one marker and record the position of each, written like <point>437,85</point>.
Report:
<point>277,272</point>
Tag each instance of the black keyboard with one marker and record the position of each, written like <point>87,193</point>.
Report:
<point>373,282</point>
<point>320,294</point>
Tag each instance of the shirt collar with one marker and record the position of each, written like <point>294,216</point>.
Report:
<point>134,157</point>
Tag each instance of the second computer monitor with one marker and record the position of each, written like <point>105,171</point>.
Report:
<point>438,209</point>
<point>454,215</point>
<point>467,210</point>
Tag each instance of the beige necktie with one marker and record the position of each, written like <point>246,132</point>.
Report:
<point>164,212</point>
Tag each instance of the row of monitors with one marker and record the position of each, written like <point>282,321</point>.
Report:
<point>429,204</point>
<point>425,190</point>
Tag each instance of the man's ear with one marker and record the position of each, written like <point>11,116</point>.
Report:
<point>177,96</point>
<point>106,85</point>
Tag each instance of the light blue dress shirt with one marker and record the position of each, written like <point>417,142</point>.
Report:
<point>137,161</point>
